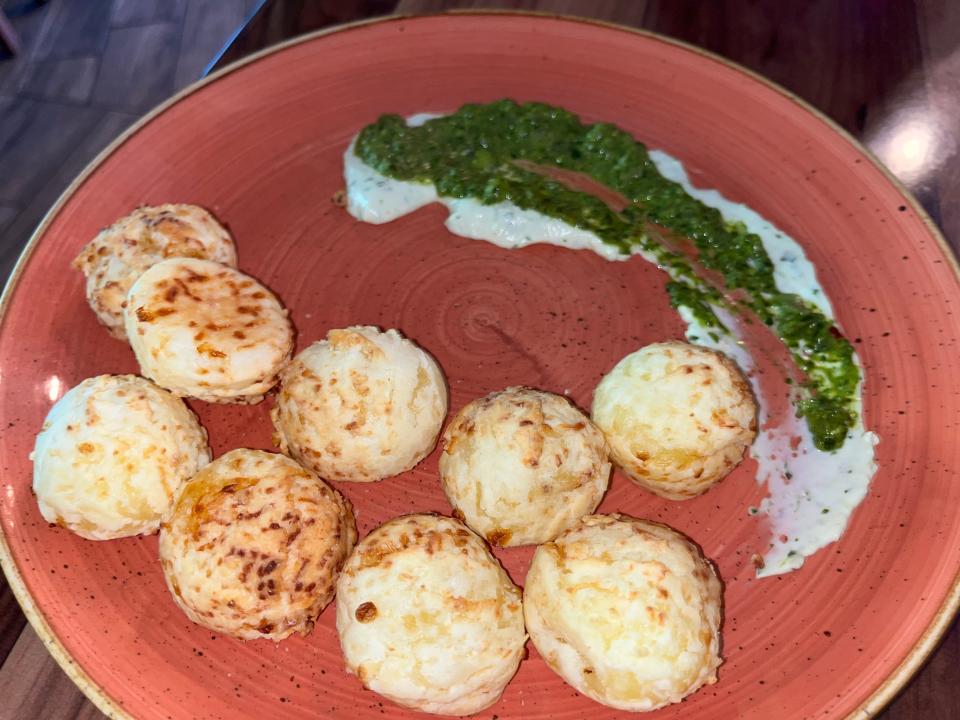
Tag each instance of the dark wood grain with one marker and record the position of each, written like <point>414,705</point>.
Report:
<point>9,39</point>
<point>99,130</point>
<point>138,63</point>
<point>28,21</point>
<point>7,214</point>
<point>874,66</point>
<point>39,689</point>
<point>145,12</point>
<point>205,27</point>
<point>933,93</point>
<point>277,21</point>
<point>69,80</point>
<point>56,128</point>
<point>74,30</point>
<point>12,620</point>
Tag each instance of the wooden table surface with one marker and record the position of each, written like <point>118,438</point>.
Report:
<point>886,70</point>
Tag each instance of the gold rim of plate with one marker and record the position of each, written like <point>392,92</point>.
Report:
<point>877,700</point>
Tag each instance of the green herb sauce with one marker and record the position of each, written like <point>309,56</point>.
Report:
<point>473,153</point>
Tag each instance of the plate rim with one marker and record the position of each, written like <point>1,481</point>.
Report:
<point>878,699</point>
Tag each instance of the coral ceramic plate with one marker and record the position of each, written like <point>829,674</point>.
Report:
<point>261,145</point>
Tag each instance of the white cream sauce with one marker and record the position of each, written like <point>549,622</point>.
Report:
<point>811,493</point>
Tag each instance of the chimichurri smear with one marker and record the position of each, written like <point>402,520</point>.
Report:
<point>473,153</point>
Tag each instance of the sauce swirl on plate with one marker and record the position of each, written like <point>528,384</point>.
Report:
<point>514,174</point>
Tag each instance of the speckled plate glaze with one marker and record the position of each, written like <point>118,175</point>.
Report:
<point>261,146</point>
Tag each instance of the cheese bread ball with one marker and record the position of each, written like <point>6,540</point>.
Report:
<point>112,455</point>
<point>361,405</point>
<point>522,465</point>
<point>677,416</point>
<point>116,257</point>
<point>205,330</point>
<point>428,618</point>
<point>626,611</point>
<point>254,546</point>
